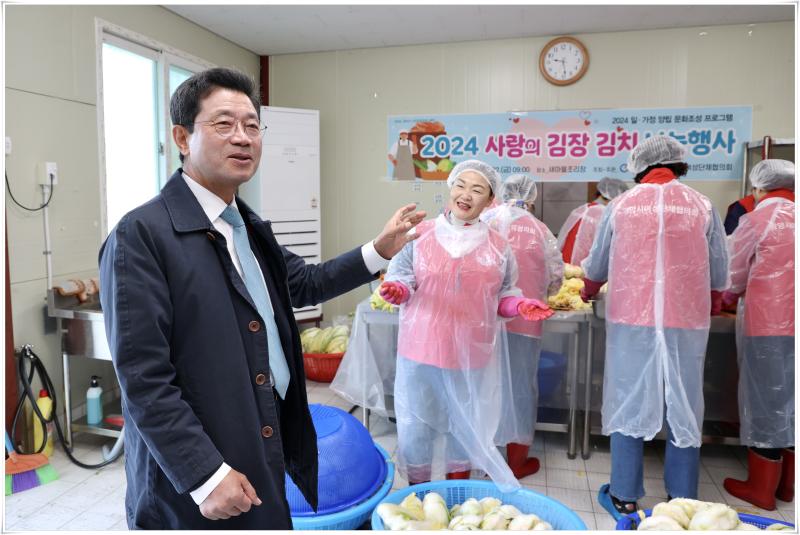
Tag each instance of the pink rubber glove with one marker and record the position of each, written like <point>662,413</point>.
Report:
<point>395,293</point>
<point>509,306</point>
<point>590,289</point>
<point>529,309</point>
<point>716,303</point>
<point>534,310</point>
<point>729,299</point>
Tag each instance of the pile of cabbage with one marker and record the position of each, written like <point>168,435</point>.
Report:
<point>431,513</point>
<point>684,514</point>
<point>569,296</point>
<point>572,271</point>
<point>379,303</point>
<point>329,340</point>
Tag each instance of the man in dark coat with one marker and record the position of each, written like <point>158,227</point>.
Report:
<point>212,421</point>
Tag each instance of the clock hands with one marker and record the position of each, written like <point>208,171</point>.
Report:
<point>563,65</point>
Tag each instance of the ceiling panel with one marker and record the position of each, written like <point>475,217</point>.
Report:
<point>274,30</point>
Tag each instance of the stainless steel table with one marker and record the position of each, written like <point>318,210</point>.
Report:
<point>576,324</point>
<point>373,362</point>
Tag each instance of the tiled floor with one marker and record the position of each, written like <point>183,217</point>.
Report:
<point>94,499</point>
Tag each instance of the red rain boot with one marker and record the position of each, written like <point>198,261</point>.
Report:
<point>418,474</point>
<point>458,475</point>
<point>785,491</point>
<point>761,484</point>
<point>519,462</point>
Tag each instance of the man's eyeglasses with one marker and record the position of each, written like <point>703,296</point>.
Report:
<point>226,127</point>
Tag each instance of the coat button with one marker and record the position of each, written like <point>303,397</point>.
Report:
<point>261,379</point>
<point>211,236</point>
<point>254,326</point>
<point>266,431</point>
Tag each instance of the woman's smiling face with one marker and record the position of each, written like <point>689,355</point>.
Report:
<point>469,195</point>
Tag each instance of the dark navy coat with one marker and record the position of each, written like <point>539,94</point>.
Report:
<point>188,344</point>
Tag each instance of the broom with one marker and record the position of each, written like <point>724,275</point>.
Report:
<point>25,472</point>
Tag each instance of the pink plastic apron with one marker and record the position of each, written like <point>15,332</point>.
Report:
<point>640,269</point>
<point>451,319</point>
<point>768,235</point>
<point>526,237</point>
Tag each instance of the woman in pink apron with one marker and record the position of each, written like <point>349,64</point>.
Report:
<point>762,271</point>
<point>540,274</point>
<point>452,284</point>
<point>577,233</point>
<point>661,247</point>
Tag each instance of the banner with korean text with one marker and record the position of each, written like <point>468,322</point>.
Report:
<point>577,146</point>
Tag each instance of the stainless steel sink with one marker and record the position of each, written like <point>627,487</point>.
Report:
<point>83,332</point>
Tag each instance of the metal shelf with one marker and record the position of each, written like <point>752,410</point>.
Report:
<point>79,425</point>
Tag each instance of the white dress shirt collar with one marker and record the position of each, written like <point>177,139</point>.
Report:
<point>212,205</point>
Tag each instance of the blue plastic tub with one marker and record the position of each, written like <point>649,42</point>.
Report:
<point>354,517</point>
<point>457,491</point>
<point>552,367</point>
<point>631,521</point>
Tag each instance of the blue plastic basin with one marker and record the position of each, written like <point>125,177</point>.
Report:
<point>351,469</point>
<point>552,367</point>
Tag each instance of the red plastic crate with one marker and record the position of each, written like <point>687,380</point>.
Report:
<point>321,367</point>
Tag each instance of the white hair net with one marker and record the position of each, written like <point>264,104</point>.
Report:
<point>656,149</point>
<point>518,187</point>
<point>773,174</point>
<point>611,187</point>
<point>485,170</point>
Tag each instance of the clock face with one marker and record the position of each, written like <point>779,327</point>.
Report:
<point>563,61</point>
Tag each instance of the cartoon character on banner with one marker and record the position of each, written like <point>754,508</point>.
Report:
<point>401,155</point>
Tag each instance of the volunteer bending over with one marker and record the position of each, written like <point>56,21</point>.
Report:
<point>762,271</point>
<point>661,246</point>
<point>577,233</point>
<point>452,283</point>
<point>540,273</point>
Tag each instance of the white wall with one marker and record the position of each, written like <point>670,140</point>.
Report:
<point>51,108</point>
<point>663,68</point>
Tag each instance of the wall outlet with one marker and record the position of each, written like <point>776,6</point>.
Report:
<point>8,145</point>
<point>46,170</point>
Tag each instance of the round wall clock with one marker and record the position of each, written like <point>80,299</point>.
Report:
<point>563,61</point>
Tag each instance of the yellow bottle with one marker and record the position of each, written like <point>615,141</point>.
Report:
<point>45,405</point>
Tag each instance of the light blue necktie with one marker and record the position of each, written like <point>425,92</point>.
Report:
<point>257,289</point>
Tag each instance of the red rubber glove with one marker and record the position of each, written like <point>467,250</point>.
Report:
<point>716,303</point>
<point>729,299</point>
<point>534,310</point>
<point>395,293</point>
<point>590,289</point>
